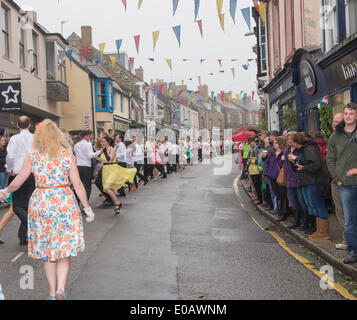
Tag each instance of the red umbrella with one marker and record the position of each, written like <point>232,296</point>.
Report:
<point>242,136</point>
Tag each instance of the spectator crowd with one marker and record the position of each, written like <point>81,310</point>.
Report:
<point>301,175</point>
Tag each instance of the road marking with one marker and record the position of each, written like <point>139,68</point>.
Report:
<point>337,287</point>
<point>17,257</point>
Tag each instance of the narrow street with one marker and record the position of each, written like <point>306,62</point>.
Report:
<point>187,237</point>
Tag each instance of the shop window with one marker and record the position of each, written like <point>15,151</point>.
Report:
<point>5,32</point>
<point>351,17</point>
<point>104,95</point>
<point>330,24</point>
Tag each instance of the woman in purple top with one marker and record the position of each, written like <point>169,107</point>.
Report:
<point>275,163</point>
<point>294,190</point>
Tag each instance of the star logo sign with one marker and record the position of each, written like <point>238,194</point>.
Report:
<point>11,95</point>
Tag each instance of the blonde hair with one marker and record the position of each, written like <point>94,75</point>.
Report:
<point>291,133</point>
<point>49,140</point>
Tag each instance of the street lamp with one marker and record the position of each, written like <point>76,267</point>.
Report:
<point>62,23</point>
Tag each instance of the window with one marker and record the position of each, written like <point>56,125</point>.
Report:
<point>21,44</point>
<point>220,124</point>
<point>56,62</point>
<point>330,24</point>
<point>263,52</point>
<point>202,123</point>
<point>121,103</point>
<point>210,124</point>
<point>289,27</point>
<point>35,52</point>
<point>5,32</point>
<point>276,35</point>
<point>351,17</point>
<point>104,95</point>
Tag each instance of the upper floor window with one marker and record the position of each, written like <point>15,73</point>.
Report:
<point>351,17</point>
<point>202,123</point>
<point>276,35</point>
<point>35,52</point>
<point>21,44</point>
<point>289,27</point>
<point>330,24</point>
<point>263,51</point>
<point>104,95</point>
<point>56,61</point>
<point>5,32</point>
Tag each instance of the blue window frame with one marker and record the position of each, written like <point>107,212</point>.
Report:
<point>103,95</point>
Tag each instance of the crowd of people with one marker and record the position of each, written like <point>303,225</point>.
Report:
<point>302,175</point>
<point>47,179</point>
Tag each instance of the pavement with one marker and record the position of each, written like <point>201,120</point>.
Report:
<point>192,236</point>
<point>323,248</point>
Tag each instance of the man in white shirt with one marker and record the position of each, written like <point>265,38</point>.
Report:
<point>84,153</point>
<point>138,159</point>
<point>120,150</point>
<point>20,146</point>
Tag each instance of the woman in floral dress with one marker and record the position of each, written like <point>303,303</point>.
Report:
<point>55,228</point>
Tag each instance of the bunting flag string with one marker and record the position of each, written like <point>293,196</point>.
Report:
<point>169,63</point>
<point>197,8</point>
<point>124,3</point>
<point>114,60</point>
<point>263,11</point>
<point>132,59</point>
<point>137,42</point>
<point>199,22</point>
<point>232,9</point>
<point>174,4</point>
<point>101,49</point>
<point>177,31</point>
<point>155,36</point>
<point>221,20</point>
<point>219,6</point>
<point>118,44</point>
<point>246,16</point>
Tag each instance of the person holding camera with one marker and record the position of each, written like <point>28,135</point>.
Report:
<point>292,156</point>
<point>315,185</point>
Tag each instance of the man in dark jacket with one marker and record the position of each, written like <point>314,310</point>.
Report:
<point>342,164</point>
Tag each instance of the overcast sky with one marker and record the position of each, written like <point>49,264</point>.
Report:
<point>110,22</point>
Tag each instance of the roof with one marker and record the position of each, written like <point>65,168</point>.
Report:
<point>97,71</point>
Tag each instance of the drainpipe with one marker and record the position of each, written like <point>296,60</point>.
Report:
<point>129,109</point>
<point>92,93</point>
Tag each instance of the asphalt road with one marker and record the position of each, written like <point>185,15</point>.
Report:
<point>185,237</point>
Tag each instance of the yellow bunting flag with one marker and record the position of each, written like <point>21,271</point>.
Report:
<point>221,20</point>
<point>263,11</point>
<point>170,93</point>
<point>229,98</point>
<point>169,62</point>
<point>219,6</point>
<point>155,36</point>
<point>101,49</point>
<point>234,73</point>
<point>114,60</point>
<point>140,3</point>
<point>199,80</point>
<point>237,98</point>
<point>182,83</point>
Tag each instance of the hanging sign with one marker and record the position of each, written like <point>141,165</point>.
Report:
<point>10,96</point>
<point>308,77</point>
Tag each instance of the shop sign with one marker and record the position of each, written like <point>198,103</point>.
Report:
<point>308,77</point>
<point>10,96</point>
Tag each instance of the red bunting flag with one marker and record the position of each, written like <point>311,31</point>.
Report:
<point>256,5</point>
<point>222,95</point>
<point>197,92</point>
<point>253,94</point>
<point>184,60</point>
<point>222,71</point>
<point>86,52</point>
<point>182,101</point>
<point>124,3</point>
<point>160,88</point>
<point>180,93</point>
<point>200,27</point>
<point>137,41</point>
<point>220,62</point>
<point>227,109</point>
<point>132,62</point>
<point>81,57</point>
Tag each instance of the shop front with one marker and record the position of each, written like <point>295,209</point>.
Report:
<point>281,92</point>
<point>121,125</point>
<point>310,88</point>
<point>340,68</point>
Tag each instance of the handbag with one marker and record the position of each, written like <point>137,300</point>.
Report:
<point>281,180</point>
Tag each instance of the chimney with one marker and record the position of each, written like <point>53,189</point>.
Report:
<point>140,73</point>
<point>86,36</point>
<point>32,15</point>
